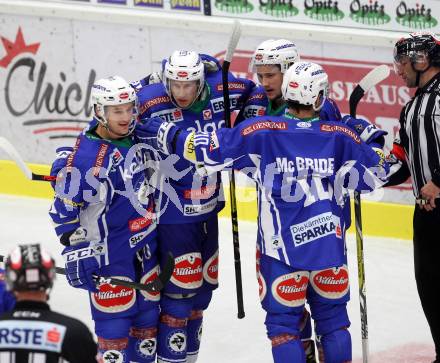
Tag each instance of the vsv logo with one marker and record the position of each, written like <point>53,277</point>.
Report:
<point>58,107</point>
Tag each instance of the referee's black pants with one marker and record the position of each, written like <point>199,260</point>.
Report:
<point>427,266</point>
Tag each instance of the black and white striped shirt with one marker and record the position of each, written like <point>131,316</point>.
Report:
<point>420,135</point>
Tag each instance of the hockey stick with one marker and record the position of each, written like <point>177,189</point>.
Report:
<point>374,77</point>
<point>156,285</point>
<point>233,41</point>
<point>9,149</point>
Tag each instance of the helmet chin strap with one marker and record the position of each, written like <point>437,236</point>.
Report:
<point>419,73</point>
<point>104,123</point>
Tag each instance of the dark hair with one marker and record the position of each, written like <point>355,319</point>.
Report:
<point>298,106</point>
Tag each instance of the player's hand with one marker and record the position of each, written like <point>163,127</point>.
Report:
<point>157,133</point>
<point>80,263</point>
<point>429,192</point>
<point>367,132</point>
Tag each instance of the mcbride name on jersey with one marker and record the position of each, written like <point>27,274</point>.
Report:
<point>198,197</point>
<point>102,184</point>
<point>301,173</point>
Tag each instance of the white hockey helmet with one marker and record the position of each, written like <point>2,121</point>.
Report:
<point>112,91</point>
<point>184,66</point>
<point>274,51</point>
<point>304,83</point>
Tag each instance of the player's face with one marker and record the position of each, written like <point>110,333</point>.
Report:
<point>119,118</point>
<point>271,78</point>
<point>404,69</point>
<point>184,92</point>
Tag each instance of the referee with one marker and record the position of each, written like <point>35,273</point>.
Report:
<point>31,332</point>
<point>417,150</point>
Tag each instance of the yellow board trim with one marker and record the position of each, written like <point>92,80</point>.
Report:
<point>379,219</point>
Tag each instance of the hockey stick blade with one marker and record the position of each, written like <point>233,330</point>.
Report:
<point>375,76</point>
<point>233,41</point>
<point>154,286</point>
<point>12,152</point>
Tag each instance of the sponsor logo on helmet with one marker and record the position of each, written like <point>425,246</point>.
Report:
<point>123,96</point>
<point>264,125</point>
<point>293,84</point>
<point>150,276</point>
<point>188,273</point>
<point>368,12</point>
<point>182,74</point>
<point>112,298</point>
<point>332,283</point>
<point>210,269</point>
<point>290,289</point>
<point>416,16</point>
<point>176,342</point>
<point>258,56</point>
<point>326,10</point>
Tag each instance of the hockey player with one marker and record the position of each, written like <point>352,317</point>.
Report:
<point>7,300</point>
<point>104,217</point>
<point>270,61</point>
<point>302,169</point>
<point>189,95</point>
<point>31,332</point>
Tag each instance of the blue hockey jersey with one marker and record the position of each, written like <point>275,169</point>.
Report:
<point>7,299</point>
<point>103,188</point>
<point>259,105</point>
<point>302,170</point>
<point>196,197</point>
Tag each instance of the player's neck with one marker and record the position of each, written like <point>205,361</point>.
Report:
<point>302,114</point>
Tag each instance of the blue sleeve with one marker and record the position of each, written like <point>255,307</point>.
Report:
<point>255,105</point>
<point>330,111</point>
<point>216,150</point>
<point>361,167</point>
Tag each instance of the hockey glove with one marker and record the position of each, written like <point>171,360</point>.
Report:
<point>80,263</point>
<point>368,132</point>
<point>60,161</point>
<point>157,133</point>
